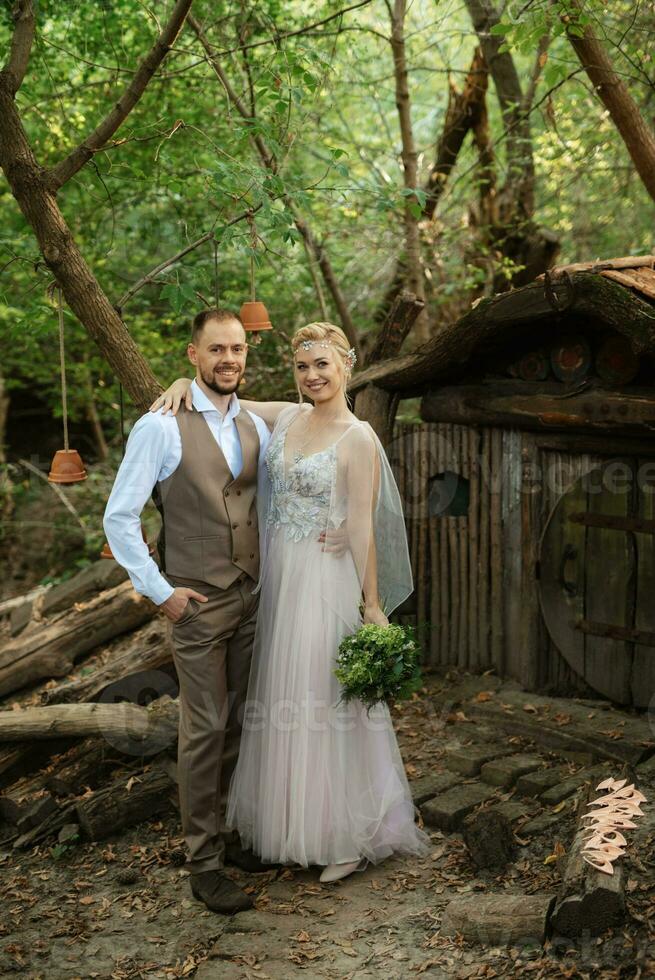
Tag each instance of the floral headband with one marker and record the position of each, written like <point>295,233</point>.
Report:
<point>351,356</point>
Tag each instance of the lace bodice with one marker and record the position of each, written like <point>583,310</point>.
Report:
<point>300,497</point>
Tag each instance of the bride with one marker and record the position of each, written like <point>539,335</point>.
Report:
<point>318,782</point>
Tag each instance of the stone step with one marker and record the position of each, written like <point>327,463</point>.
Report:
<point>539,824</point>
<point>447,810</point>
<point>567,787</point>
<point>429,786</point>
<point>563,726</point>
<point>504,772</point>
<point>512,809</point>
<point>539,780</point>
<point>469,759</point>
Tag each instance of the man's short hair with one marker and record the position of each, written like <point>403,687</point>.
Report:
<point>220,315</point>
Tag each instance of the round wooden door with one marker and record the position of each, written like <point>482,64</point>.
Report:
<point>597,579</point>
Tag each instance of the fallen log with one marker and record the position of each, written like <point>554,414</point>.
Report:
<point>127,801</point>
<point>128,727</point>
<point>148,648</point>
<point>130,799</point>
<point>498,920</point>
<point>8,605</point>
<point>84,766</point>
<point>22,758</point>
<point>588,901</point>
<point>52,823</point>
<point>43,603</point>
<point>50,650</point>
<point>99,577</point>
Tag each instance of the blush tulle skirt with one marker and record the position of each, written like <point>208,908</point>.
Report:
<point>316,782</point>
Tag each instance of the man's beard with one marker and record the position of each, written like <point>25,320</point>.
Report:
<point>225,387</point>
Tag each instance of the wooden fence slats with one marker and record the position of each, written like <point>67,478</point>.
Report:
<point>496,551</point>
<point>471,573</point>
<point>484,623</point>
<point>473,535</point>
<point>461,525</point>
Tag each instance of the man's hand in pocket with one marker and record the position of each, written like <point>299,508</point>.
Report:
<point>175,605</point>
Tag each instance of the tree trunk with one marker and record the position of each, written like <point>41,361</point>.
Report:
<point>615,96</point>
<point>520,165</point>
<point>374,404</point>
<point>463,112</point>
<point>462,115</point>
<point>29,185</point>
<point>506,216</point>
<point>413,259</point>
<point>4,409</point>
<point>35,192</point>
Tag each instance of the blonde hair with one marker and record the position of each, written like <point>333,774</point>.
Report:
<point>325,333</point>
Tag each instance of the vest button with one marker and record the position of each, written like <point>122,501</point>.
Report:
<point>235,557</point>
<point>238,493</point>
<point>252,555</point>
<point>227,493</point>
<point>249,523</point>
<point>235,526</point>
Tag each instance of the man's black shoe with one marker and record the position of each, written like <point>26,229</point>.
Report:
<point>219,893</point>
<point>246,860</point>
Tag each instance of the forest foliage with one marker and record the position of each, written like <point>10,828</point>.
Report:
<point>318,79</point>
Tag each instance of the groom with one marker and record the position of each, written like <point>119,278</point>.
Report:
<point>201,467</point>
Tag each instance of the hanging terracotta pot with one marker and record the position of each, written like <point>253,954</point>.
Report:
<point>254,316</point>
<point>66,467</point>
<point>107,552</point>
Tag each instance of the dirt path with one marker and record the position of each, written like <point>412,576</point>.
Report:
<point>66,913</point>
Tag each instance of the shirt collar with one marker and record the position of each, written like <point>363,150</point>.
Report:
<point>201,403</point>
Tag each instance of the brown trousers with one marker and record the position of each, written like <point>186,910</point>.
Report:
<point>212,653</point>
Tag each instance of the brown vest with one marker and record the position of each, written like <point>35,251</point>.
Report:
<point>209,519</point>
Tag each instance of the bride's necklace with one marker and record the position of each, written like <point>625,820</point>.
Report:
<point>297,453</point>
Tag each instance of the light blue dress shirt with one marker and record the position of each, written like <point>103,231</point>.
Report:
<point>153,452</point>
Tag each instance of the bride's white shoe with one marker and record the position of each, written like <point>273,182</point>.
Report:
<point>334,872</point>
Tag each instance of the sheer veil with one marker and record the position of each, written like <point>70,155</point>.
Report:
<point>357,494</point>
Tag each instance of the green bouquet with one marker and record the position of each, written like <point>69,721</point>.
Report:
<point>379,663</point>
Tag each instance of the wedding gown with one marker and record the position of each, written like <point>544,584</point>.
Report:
<point>316,782</point>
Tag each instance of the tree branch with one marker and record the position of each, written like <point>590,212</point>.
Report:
<point>267,158</point>
<point>269,161</point>
<point>96,140</point>
<point>152,275</point>
<point>21,45</point>
<point>300,30</point>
